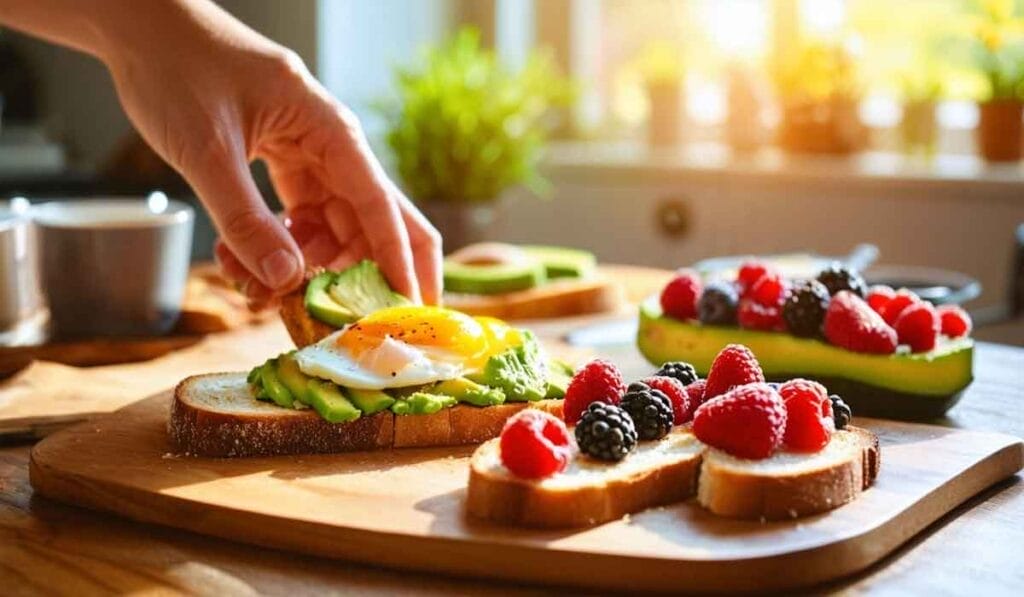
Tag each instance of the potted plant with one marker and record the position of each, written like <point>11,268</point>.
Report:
<point>819,91</point>
<point>999,57</point>
<point>661,67</point>
<point>464,128</point>
<point>921,88</point>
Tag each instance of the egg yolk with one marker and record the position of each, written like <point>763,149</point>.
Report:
<point>473,340</point>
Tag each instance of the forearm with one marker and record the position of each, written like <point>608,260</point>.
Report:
<point>112,29</point>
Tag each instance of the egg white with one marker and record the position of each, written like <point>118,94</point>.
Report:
<point>392,364</point>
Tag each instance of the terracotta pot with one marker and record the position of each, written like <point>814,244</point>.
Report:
<point>918,127</point>
<point>830,126</point>
<point>999,130</point>
<point>664,124</point>
<point>459,223</point>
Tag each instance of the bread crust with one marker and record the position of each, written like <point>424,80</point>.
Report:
<point>197,430</point>
<point>302,327</point>
<point>520,502</point>
<point>739,494</point>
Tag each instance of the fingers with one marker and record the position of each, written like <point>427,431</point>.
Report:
<point>355,174</point>
<point>259,241</point>
<point>425,242</point>
<point>257,295</point>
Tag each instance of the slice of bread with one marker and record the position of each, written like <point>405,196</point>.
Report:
<point>789,485</point>
<point>301,326</point>
<point>589,491</point>
<point>667,471</point>
<point>216,415</point>
<point>559,298</point>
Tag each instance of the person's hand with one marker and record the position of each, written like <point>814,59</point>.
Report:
<point>210,95</point>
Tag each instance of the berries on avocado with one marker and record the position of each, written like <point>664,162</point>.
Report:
<point>718,303</point>
<point>804,310</point>
<point>679,297</point>
<point>838,278</point>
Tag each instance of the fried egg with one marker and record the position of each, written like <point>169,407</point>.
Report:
<point>406,346</point>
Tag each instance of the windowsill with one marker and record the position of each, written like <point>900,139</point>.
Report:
<point>631,159</point>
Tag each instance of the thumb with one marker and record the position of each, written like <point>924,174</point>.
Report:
<point>247,226</point>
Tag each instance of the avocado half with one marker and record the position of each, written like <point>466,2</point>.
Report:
<point>901,386</point>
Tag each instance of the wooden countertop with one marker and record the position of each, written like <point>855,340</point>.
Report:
<point>48,548</point>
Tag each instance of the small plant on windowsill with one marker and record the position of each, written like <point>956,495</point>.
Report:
<point>921,87</point>
<point>464,128</point>
<point>997,43</point>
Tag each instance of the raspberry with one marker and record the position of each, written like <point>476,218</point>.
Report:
<point>682,407</point>
<point>651,411</point>
<point>717,304</point>
<point>748,421</point>
<point>605,432</point>
<point>755,316</point>
<point>770,290</point>
<point>734,366</point>
<point>804,310</point>
<point>680,370</point>
<point>750,272</point>
<point>679,297</point>
<point>809,422</point>
<point>918,327</point>
<point>695,392</point>
<point>534,444</point>
<point>955,321</point>
<point>900,301</point>
<point>851,324</point>
<point>838,278</point>
<point>841,413</point>
<point>879,296</point>
<point>597,381</point>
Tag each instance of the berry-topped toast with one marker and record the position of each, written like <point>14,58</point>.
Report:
<point>887,351</point>
<point>744,447</point>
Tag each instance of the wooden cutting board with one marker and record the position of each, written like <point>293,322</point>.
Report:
<point>403,509</point>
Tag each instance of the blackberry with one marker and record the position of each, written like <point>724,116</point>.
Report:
<point>605,432</point>
<point>836,277</point>
<point>804,309</point>
<point>651,411</point>
<point>684,372</point>
<point>841,412</point>
<point>717,304</point>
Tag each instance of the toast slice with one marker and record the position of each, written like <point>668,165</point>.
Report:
<point>560,298</point>
<point>217,415</point>
<point>589,491</point>
<point>789,485</point>
<point>302,327</point>
<point>670,470</point>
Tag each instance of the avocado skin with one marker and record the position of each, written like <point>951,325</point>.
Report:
<point>321,306</point>
<point>563,262</point>
<point>492,279</point>
<point>902,386</point>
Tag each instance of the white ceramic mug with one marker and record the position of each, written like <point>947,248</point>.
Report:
<point>19,282</point>
<point>114,266</point>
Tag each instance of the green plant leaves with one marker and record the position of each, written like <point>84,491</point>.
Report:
<point>463,128</point>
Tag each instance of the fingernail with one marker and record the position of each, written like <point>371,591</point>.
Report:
<point>279,268</point>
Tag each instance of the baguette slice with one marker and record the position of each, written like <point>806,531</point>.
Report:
<point>216,415</point>
<point>589,491</point>
<point>789,485</point>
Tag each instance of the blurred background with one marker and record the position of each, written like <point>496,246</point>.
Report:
<point>652,132</point>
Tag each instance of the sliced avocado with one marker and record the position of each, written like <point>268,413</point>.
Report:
<point>369,401</point>
<point>422,403</point>
<point>328,401</point>
<point>492,278</point>
<point>559,375</point>
<point>295,380</point>
<point>320,304</point>
<point>900,385</point>
<point>562,262</point>
<point>519,372</point>
<point>254,375</point>
<point>273,386</point>
<point>362,289</point>
<point>469,392</point>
